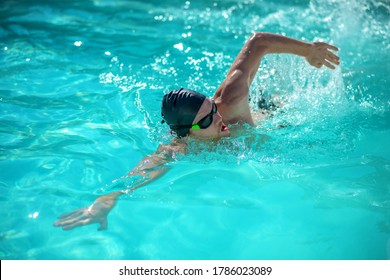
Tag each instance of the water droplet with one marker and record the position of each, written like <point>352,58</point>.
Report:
<point>33,215</point>
<point>179,46</point>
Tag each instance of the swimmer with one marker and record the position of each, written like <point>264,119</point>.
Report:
<point>191,114</point>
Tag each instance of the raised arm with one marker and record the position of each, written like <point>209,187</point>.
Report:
<point>260,44</point>
<point>232,95</point>
<point>147,170</point>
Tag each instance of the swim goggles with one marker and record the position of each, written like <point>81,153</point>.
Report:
<point>204,123</point>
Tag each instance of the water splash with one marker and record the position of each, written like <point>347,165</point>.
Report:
<point>322,108</point>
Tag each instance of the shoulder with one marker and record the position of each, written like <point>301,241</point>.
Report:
<point>233,106</point>
<point>233,89</point>
<point>176,146</point>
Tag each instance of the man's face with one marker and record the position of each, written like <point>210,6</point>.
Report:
<point>217,128</point>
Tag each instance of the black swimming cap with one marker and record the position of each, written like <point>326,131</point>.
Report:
<point>179,108</point>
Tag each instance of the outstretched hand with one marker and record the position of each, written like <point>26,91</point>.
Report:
<point>320,54</point>
<point>96,213</point>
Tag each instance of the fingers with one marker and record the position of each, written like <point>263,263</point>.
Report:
<point>331,47</point>
<point>324,62</point>
<point>66,222</point>
<point>322,55</point>
<point>323,45</point>
<point>79,223</point>
<point>69,227</point>
<point>71,214</point>
<point>331,60</point>
<point>329,65</point>
<point>332,57</point>
<point>73,219</point>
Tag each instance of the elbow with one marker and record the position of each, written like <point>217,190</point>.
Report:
<point>262,41</point>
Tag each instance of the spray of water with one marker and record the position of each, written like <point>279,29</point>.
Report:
<point>322,109</point>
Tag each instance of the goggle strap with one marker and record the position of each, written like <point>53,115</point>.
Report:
<point>195,127</point>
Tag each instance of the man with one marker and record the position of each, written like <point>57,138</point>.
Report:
<point>191,114</point>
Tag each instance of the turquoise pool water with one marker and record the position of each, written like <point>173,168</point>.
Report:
<point>80,90</point>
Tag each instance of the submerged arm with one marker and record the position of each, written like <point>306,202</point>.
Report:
<point>147,170</point>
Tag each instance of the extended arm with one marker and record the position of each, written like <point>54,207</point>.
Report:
<point>147,170</point>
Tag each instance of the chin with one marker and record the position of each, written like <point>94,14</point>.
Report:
<point>224,134</point>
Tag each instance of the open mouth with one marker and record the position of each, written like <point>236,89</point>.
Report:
<point>224,128</point>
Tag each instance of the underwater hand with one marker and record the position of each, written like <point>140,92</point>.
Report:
<point>320,54</point>
<point>96,213</point>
